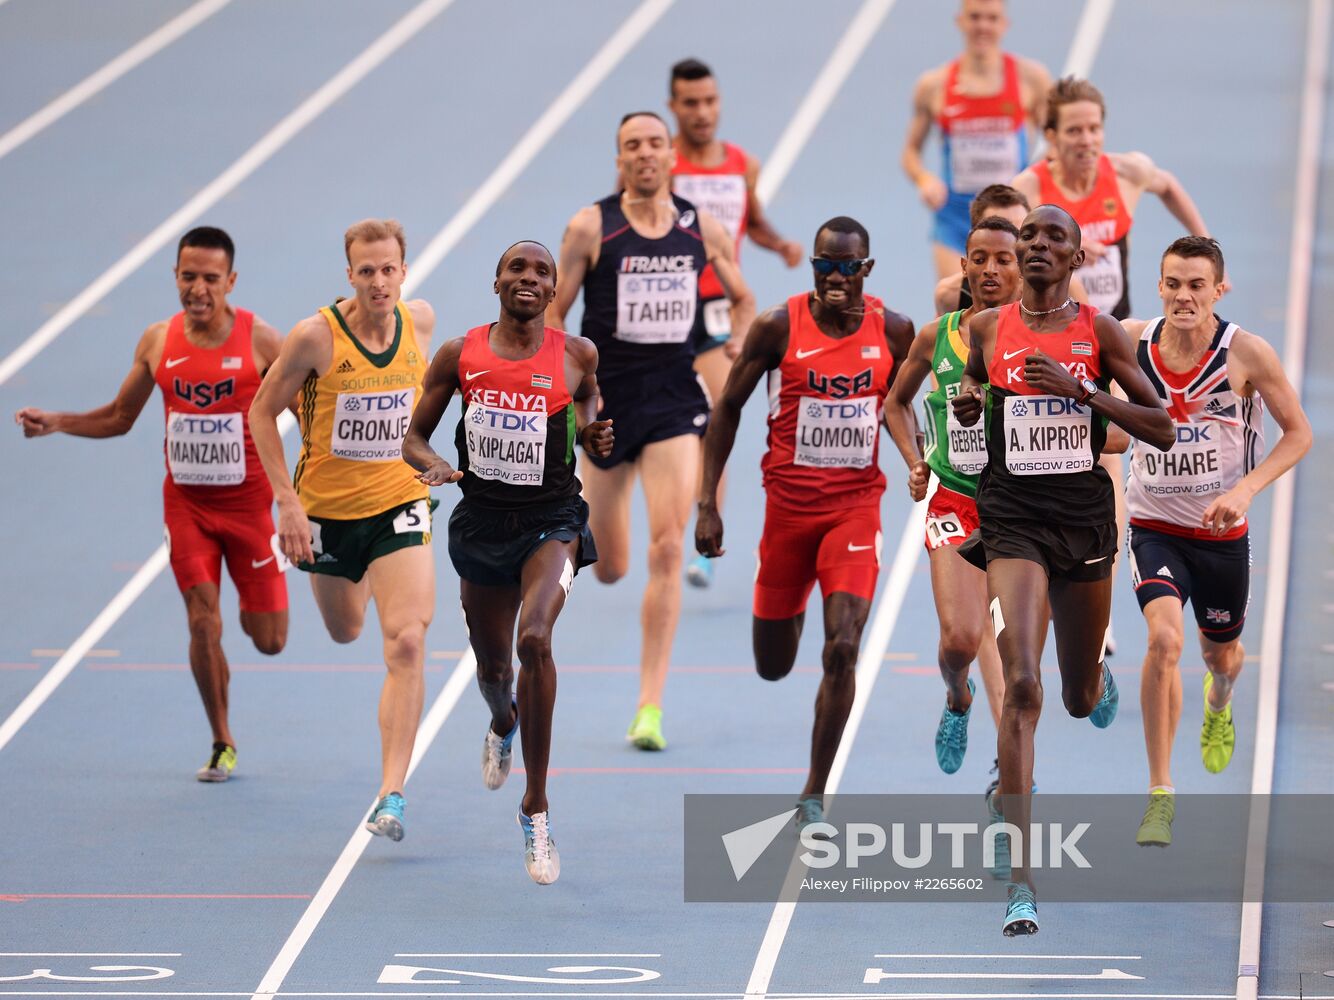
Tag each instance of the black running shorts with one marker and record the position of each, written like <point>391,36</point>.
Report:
<point>1214,576</point>
<point>489,547</point>
<point>650,406</point>
<point>1080,553</point>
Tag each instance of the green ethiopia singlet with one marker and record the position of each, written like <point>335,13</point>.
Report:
<point>956,454</point>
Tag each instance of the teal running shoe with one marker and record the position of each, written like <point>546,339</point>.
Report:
<point>1021,912</point>
<point>540,856</point>
<point>1105,711</point>
<point>952,735</point>
<point>699,572</point>
<point>1000,870</point>
<point>498,754</point>
<point>810,809</point>
<point>387,817</point>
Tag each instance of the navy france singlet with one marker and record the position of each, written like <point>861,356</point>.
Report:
<point>641,299</point>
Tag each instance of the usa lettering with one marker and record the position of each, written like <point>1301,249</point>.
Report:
<point>839,386</point>
<point>203,394</point>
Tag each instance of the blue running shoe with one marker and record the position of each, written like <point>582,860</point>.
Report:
<point>387,817</point>
<point>540,856</point>
<point>810,810</point>
<point>1000,870</point>
<point>1105,711</point>
<point>699,572</point>
<point>1021,912</point>
<point>952,735</point>
<point>498,754</point>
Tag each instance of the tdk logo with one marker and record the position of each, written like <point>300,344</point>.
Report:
<point>205,425</point>
<point>842,411</point>
<point>528,423</point>
<point>1194,433</point>
<point>660,284</point>
<point>1050,406</point>
<point>377,403</point>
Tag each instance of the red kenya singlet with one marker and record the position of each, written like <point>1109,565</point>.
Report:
<point>825,402</point>
<point>720,191</point>
<point>1102,216</point>
<point>206,394</point>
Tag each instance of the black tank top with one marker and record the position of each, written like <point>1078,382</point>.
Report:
<point>641,299</point>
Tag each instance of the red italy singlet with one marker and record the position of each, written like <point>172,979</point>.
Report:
<point>985,138</point>
<point>825,402</point>
<point>206,394</point>
<point>720,191</point>
<point>1102,216</point>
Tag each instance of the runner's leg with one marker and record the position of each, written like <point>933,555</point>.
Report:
<point>844,618</point>
<point>490,613</point>
<point>608,493</point>
<point>1079,614</point>
<point>208,662</point>
<point>1160,685</point>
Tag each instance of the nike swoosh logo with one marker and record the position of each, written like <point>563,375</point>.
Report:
<point>807,354</point>
<point>257,563</point>
<point>858,548</point>
<point>473,375</point>
<point>173,362</point>
<point>1090,562</point>
<point>1010,354</point>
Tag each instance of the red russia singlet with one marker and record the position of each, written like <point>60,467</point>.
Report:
<point>720,191</point>
<point>825,403</point>
<point>206,395</point>
<point>1102,216</point>
<point>985,139</point>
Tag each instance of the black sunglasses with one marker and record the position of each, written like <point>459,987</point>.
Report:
<point>847,268</point>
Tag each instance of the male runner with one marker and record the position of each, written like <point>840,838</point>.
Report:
<point>719,178</point>
<point>520,533</point>
<point>985,103</point>
<point>638,255</point>
<point>354,516</point>
<point>955,455</point>
<point>831,357</point>
<point>208,360</point>
<point>1189,538</point>
<point>1047,533</point>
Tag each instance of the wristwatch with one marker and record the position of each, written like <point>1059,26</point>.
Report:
<point>1090,390</point>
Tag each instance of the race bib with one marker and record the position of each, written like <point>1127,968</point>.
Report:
<point>369,426</point>
<point>721,195</point>
<point>1047,434</point>
<point>206,449</point>
<point>967,445</point>
<point>836,434</point>
<point>718,318</point>
<point>989,155</point>
<point>656,308</point>
<point>1191,468</point>
<point>506,446</point>
<point>1104,280</point>
<point>414,518</point>
<point>942,530</point>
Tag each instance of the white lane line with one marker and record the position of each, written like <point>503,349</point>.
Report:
<point>1300,257</point>
<point>1088,38</point>
<point>251,160</point>
<point>100,79</point>
<point>296,941</point>
<point>594,72</point>
<point>869,663</point>
<point>821,94</point>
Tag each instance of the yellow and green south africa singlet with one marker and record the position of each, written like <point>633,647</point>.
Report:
<point>956,454</point>
<point>353,419</point>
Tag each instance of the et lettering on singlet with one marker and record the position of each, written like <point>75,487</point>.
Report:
<point>721,195</point>
<point>656,297</point>
<point>507,436</point>
<point>206,450</point>
<point>1046,435</point>
<point>836,434</point>
<point>1103,279</point>
<point>1192,467</point>
<point>982,151</point>
<point>967,445</point>
<point>369,426</point>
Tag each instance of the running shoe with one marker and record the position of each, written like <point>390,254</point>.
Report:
<point>222,762</point>
<point>1105,710</point>
<point>952,735</point>
<point>540,856</point>
<point>386,819</point>
<point>810,809</point>
<point>1218,735</point>
<point>699,572</point>
<point>1021,912</point>
<point>646,731</point>
<point>1001,868</point>
<point>1155,829</point>
<point>498,754</point>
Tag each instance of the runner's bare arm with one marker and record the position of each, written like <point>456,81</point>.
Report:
<point>1037,81</point>
<point>595,436</point>
<point>762,351</point>
<point>578,253</point>
<point>721,254</point>
<point>423,320</point>
<point>118,416</point>
<point>982,336</point>
<point>442,381</point>
<point>900,412</point>
<point>307,350</point>
<point>1260,367</point>
<point>947,293</point>
<point>1026,183</point>
<point>758,227</point>
<point>1141,413</point>
<point>1118,441</point>
<point>929,186</point>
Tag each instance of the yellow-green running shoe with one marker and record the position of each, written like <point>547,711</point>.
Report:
<point>1218,735</point>
<point>1155,829</point>
<point>220,764</point>
<point>646,731</point>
